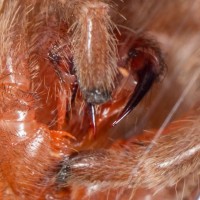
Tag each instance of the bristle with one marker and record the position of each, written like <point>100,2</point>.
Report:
<point>56,57</point>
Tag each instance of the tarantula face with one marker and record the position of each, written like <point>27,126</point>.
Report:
<point>65,64</point>
<point>91,53</point>
<point>96,56</point>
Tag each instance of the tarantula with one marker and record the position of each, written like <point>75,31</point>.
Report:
<point>70,72</point>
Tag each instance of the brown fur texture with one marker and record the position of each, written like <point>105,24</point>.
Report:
<point>40,43</point>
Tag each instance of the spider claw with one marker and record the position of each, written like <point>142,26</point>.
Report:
<point>93,117</point>
<point>146,78</point>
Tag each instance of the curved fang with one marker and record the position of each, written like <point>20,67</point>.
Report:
<point>146,78</point>
<point>147,63</point>
<point>92,112</point>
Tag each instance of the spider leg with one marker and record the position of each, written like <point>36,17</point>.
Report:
<point>139,161</point>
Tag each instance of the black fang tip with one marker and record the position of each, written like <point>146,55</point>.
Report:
<point>146,78</point>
